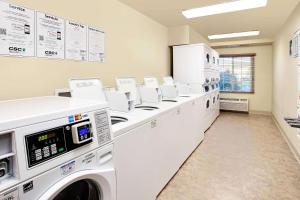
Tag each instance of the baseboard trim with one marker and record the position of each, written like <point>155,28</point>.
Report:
<point>256,112</point>
<point>251,112</point>
<point>284,135</point>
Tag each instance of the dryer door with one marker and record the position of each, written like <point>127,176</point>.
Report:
<point>84,185</point>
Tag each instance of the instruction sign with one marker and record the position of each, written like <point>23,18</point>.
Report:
<point>16,30</point>
<point>76,41</point>
<point>96,45</point>
<point>50,36</point>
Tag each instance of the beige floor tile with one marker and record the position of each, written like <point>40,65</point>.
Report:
<point>243,157</point>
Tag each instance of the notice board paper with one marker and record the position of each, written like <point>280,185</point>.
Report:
<point>96,45</point>
<point>76,41</point>
<point>16,30</point>
<point>50,36</point>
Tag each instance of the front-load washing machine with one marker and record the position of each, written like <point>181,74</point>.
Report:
<point>212,107</point>
<point>207,115</point>
<point>56,148</point>
<point>215,105</point>
<point>218,103</point>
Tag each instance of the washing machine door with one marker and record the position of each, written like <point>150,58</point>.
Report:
<point>84,185</point>
<point>207,104</point>
<point>83,189</point>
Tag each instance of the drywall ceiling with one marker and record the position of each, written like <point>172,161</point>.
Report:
<point>268,19</point>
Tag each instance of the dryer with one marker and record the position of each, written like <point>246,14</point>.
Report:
<point>190,61</point>
<point>214,105</point>
<point>56,148</point>
<point>207,108</point>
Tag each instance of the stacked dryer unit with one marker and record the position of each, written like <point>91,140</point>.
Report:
<point>215,84</point>
<point>197,65</point>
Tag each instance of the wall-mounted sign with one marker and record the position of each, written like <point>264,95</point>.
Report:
<point>25,32</point>
<point>96,45</point>
<point>16,30</point>
<point>50,31</point>
<point>76,41</point>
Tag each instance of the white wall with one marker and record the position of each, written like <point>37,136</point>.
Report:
<point>195,37</point>
<point>261,100</point>
<point>179,35</point>
<point>285,91</point>
<point>136,46</point>
<point>185,35</point>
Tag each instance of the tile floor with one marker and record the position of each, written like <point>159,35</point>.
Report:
<point>243,157</point>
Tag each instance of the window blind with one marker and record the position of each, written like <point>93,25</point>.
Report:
<point>237,73</point>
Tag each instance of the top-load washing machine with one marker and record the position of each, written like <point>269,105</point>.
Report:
<point>129,85</point>
<point>145,98</point>
<point>56,148</point>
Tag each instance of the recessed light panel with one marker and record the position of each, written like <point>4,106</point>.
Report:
<point>234,35</point>
<point>224,8</point>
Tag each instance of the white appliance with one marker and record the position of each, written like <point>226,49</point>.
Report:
<point>81,88</point>
<point>198,66</point>
<point>207,115</point>
<point>56,148</point>
<point>119,101</point>
<point>129,85</point>
<point>92,89</point>
<point>215,60</point>
<point>182,89</point>
<point>190,62</point>
<point>151,92</point>
<point>165,91</point>
<point>168,80</point>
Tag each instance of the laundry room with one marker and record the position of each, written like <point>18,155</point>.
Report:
<point>150,100</point>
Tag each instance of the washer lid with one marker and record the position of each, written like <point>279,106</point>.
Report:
<point>91,89</point>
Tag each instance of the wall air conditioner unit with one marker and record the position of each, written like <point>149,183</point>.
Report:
<point>234,104</point>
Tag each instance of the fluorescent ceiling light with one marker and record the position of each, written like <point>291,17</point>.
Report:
<point>224,8</point>
<point>234,35</point>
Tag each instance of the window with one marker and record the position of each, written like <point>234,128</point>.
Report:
<point>237,73</point>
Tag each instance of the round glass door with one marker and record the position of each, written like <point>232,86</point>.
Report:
<point>207,104</point>
<point>80,190</point>
<point>207,58</point>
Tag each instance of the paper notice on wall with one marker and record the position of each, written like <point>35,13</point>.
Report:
<point>76,41</point>
<point>50,36</point>
<point>16,30</point>
<point>96,45</point>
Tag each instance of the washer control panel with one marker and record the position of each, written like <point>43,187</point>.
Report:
<point>45,145</point>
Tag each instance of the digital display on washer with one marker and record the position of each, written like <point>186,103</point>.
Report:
<point>45,145</point>
<point>84,133</point>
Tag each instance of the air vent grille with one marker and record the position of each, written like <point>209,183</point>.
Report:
<point>234,104</point>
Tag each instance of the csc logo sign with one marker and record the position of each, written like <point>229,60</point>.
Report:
<point>16,50</point>
<point>51,53</point>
